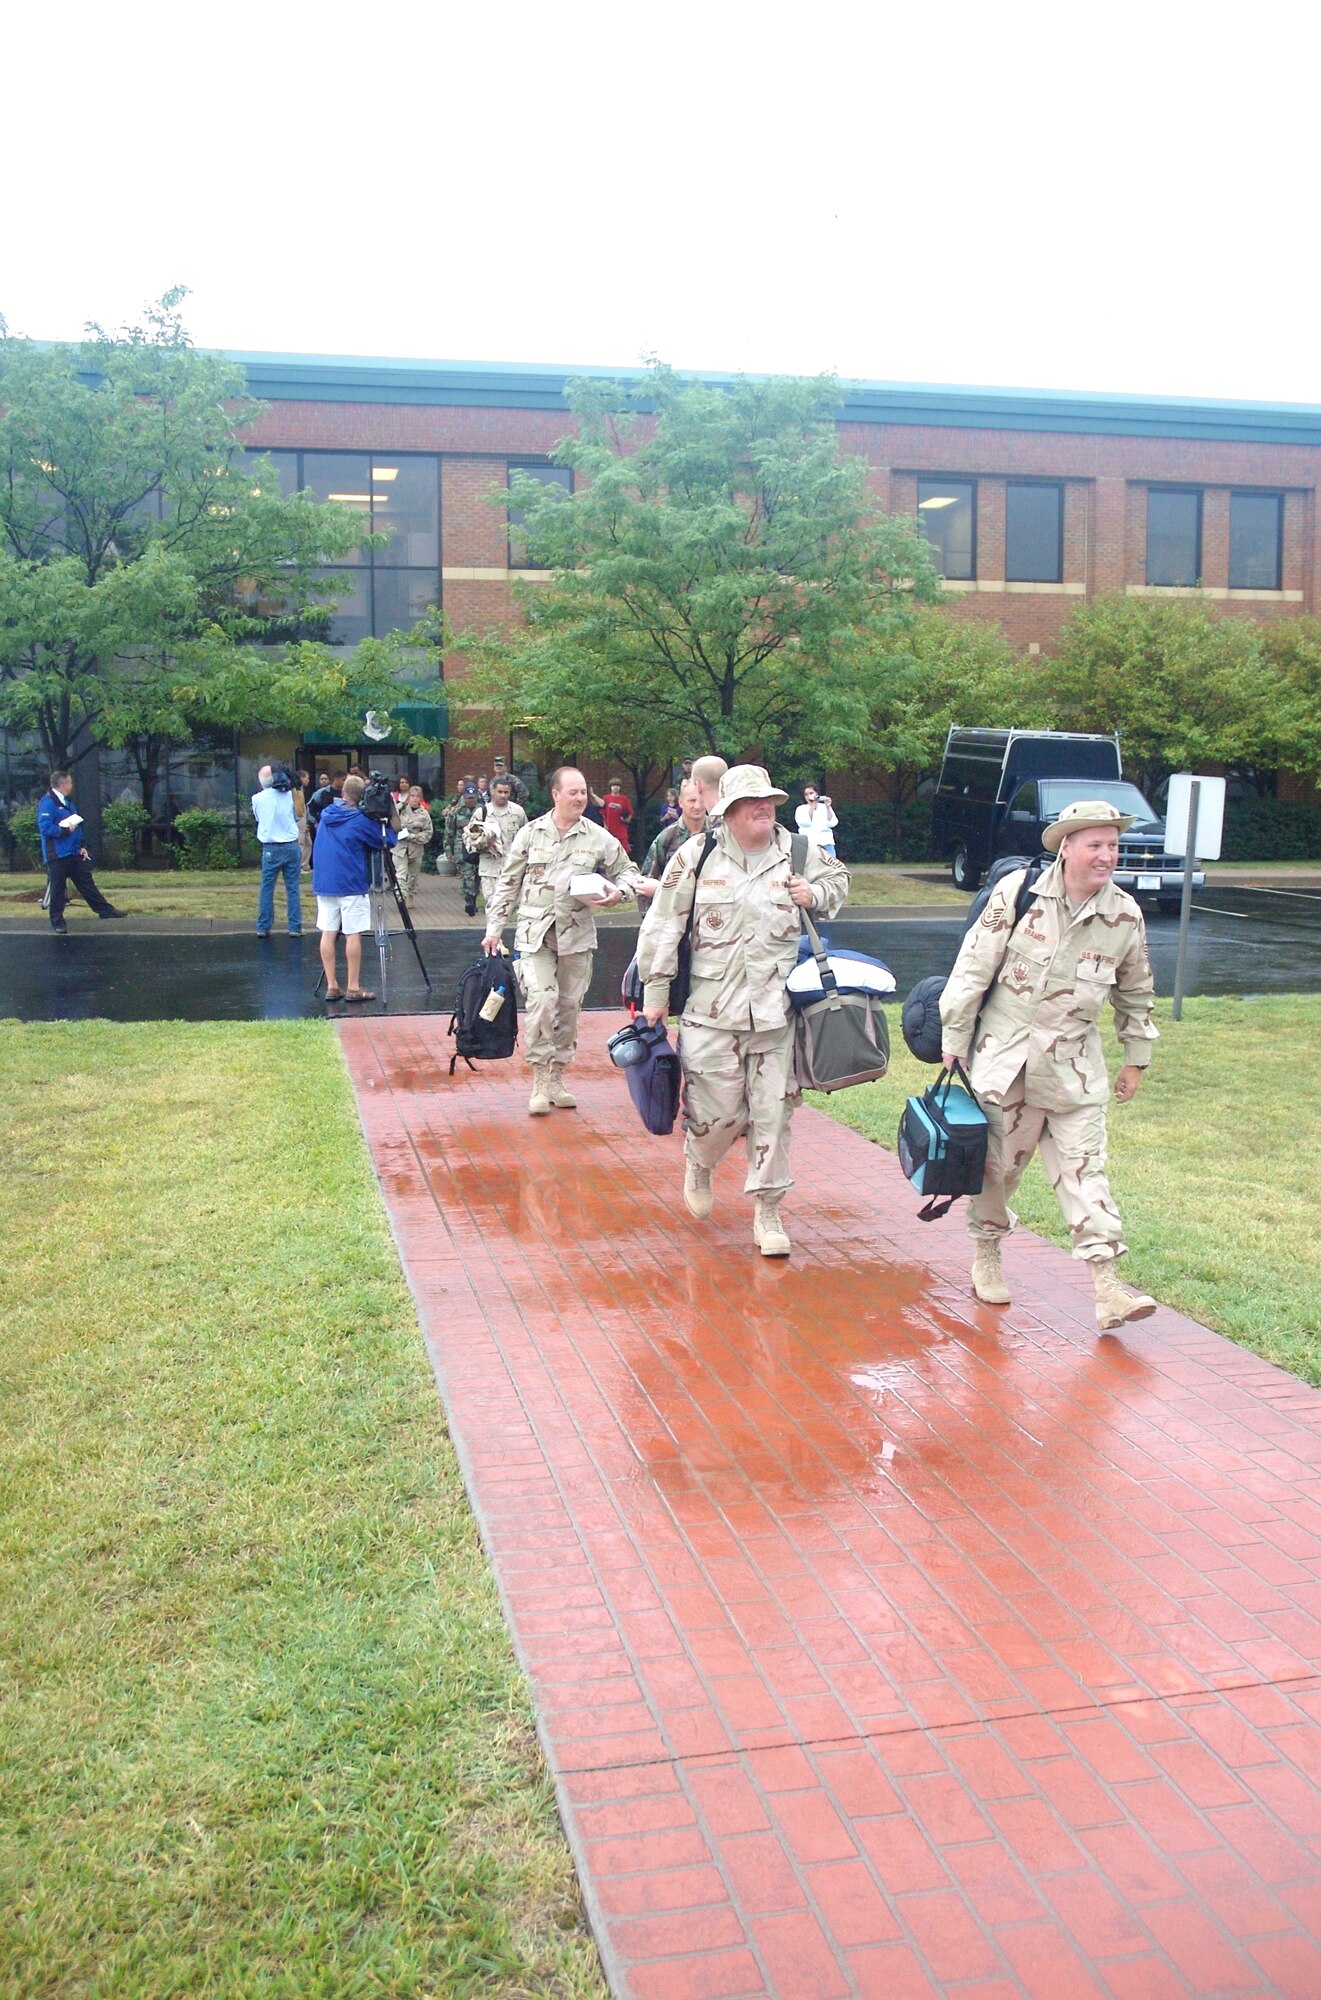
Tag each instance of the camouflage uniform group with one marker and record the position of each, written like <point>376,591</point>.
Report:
<point>1021,1007</point>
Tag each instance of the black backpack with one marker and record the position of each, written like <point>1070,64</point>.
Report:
<point>1009,864</point>
<point>476,1039</point>
<point>920,1019</point>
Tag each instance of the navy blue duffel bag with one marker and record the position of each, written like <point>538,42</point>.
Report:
<point>653,1083</point>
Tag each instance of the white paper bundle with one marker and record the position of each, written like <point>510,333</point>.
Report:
<point>588,888</point>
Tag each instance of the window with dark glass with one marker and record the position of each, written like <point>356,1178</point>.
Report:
<point>946,510</point>
<point>1034,534</point>
<point>1174,538</point>
<point>396,495</point>
<point>1255,524</point>
<point>545,475</point>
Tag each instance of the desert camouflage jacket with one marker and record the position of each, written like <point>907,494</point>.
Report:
<point>415,825</point>
<point>1035,1003</point>
<point>489,835</point>
<point>538,869</point>
<point>745,929</point>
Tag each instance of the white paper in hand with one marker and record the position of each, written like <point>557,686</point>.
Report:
<point>70,821</point>
<point>588,888</point>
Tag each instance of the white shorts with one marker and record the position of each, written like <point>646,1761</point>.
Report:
<point>350,914</point>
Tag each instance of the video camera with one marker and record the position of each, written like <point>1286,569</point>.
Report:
<point>281,780</point>
<point>377,800</point>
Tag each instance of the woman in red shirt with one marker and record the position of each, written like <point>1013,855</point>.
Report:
<point>617,812</point>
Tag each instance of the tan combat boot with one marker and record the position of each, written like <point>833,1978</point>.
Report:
<point>539,1102</point>
<point>697,1194</point>
<point>987,1277</point>
<point>560,1097</point>
<point>1115,1303</point>
<point>767,1230</point>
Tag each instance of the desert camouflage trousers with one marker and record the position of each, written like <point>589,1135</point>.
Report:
<point>1072,1147</point>
<point>553,989</point>
<point>407,867</point>
<point>740,1086</point>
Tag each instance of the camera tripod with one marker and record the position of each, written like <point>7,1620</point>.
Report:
<point>384,885</point>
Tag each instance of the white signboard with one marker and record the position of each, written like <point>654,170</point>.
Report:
<point>1210,816</point>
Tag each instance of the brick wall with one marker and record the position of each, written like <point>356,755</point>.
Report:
<point>1104,480</point>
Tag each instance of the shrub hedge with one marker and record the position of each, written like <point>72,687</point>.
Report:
<point>1271,830</point>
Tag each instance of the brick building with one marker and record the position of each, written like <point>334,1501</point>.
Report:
<point>1033,500</point>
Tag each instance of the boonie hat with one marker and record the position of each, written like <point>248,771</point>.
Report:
<point>746,781</point>
<point>1084,812</point>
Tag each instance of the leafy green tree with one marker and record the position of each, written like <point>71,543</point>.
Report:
<point>1184,687</point>
<point>944,670</point>
<point>145,565</point>
<point>720,578</point>
<point>1292,647</point>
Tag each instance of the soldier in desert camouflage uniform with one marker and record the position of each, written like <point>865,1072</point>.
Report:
<point>736,1036</point>
<point>415,830</point>
<point>1027,1001</point>
<point>555,936</point>
<point>490,832</point>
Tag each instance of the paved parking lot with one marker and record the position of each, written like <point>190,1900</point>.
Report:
<point>1242,940</point>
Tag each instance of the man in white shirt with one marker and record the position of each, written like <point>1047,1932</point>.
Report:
<point>277,830</point>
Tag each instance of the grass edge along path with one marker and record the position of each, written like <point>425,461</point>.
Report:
<point>261,1728</point>
<point>1214,1166</point>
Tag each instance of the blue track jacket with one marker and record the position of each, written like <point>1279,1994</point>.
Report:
<point>344,838</point>
<point>54,840</point>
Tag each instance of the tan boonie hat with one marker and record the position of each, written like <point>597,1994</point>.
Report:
<point>1084,812</point>
<point>746,781</point>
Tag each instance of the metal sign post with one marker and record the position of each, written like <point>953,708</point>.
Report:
<point>1186,900</point>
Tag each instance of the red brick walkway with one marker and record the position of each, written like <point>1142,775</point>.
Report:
<point>882,1643</point>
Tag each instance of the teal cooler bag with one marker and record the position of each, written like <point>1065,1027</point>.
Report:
<point>942,1143</point>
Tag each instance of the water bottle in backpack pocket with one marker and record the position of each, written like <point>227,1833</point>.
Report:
<point>485,1019</point>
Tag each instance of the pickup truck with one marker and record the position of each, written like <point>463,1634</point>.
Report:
<point>1000,789</point>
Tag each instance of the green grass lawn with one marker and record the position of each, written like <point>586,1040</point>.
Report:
<point>873,886</point>
<point>1214,1165</point>
<point>157,893</point>
<point>261,1729</point>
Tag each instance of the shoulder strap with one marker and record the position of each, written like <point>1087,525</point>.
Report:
<point>702,859</point>
<point>1027,889</point>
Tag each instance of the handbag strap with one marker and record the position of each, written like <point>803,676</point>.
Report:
<point>798,850</point>
<point>956,1073</point>
<point>707,845</point>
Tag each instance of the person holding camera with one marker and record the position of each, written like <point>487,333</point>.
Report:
<point>341,877</point>
<point>816,817</point>
<point>281,848</point>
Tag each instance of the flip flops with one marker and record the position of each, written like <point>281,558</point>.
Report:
<point>358,993</point>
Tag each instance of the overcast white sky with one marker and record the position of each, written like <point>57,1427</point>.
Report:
<point>1115,198</point>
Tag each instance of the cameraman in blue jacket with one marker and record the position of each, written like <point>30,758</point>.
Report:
<point>341,879</point>
<point>62,850</point>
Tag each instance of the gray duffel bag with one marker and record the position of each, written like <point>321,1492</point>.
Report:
<point>841,1036</point>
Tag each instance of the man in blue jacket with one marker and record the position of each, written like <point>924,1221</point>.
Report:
<point>62,850</point>
<point>341,878</point>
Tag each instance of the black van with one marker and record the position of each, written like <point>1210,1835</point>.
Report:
<point>1000,789</point>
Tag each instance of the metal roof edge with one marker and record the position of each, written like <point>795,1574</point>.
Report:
<point>542,385</point>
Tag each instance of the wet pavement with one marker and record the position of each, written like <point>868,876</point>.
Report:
<point>1242,941</point>
<point>882,1643</point>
